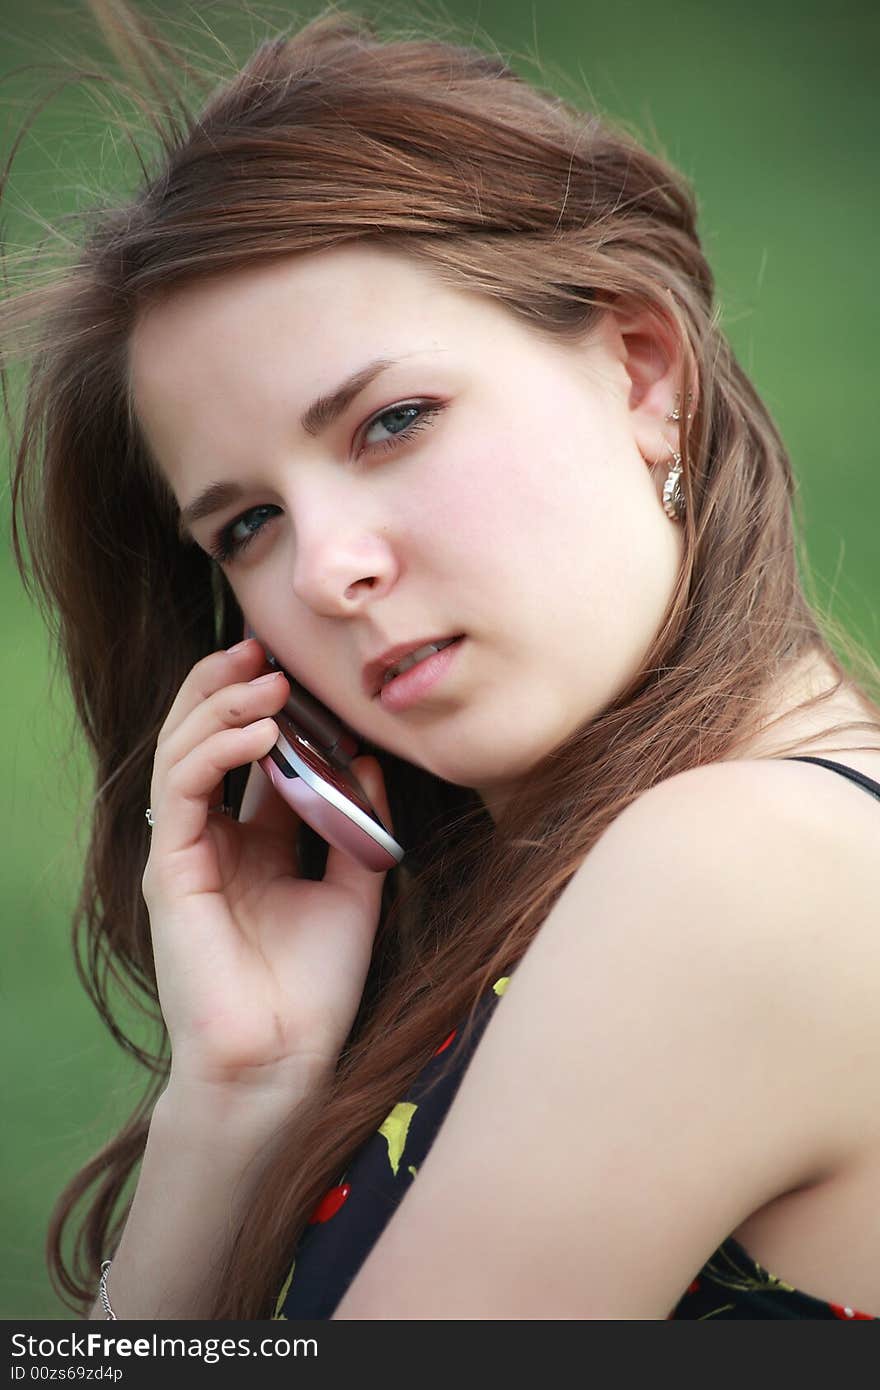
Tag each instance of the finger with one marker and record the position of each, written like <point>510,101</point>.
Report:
<point>232,705</point>
<point>181,806</point>
<point>209,675</point>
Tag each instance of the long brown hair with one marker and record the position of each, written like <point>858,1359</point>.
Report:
<point>437,149</point>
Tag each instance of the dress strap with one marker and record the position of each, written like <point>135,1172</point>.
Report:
<point>849,772</point>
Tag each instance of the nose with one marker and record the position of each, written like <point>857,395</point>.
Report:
<point>341,564</point>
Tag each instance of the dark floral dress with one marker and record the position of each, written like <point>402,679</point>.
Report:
<point>351,1216</point>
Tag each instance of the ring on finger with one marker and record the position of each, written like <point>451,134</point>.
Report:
<point>221,807</point>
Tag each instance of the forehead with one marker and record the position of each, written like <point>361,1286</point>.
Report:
<point>220,368</point>
<point>333,308</point>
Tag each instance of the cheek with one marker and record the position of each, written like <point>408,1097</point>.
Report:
<point>493,500</point>
<point>456,510</point>
<point>569,535</point>
<point>253,590</point>
<point>285,629</point>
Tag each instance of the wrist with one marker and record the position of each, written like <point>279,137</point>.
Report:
<point>196,1106</point>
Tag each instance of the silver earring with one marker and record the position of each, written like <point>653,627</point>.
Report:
<point>675,413</point>
<point>674,503</point>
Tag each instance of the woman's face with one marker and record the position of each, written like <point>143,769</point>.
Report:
<point>489,482</point>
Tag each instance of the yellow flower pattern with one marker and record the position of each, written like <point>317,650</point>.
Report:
<point>278,1316</point>
<point>394,1129</point>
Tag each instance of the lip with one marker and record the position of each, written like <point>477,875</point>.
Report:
<point>416,683</point>
<point>375,669</point>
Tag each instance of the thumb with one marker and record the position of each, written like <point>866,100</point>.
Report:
<point>368,771</point>
<point>263,806</point>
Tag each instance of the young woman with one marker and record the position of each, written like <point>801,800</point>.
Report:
<point>392,348</point>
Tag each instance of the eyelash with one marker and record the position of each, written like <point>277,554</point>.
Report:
<point>222,546</point>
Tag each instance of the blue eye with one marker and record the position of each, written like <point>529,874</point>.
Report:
<point>404,421</point>
<point>226,545</point>
<point>400,422</point>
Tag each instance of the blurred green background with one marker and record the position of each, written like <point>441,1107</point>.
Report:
<point>769,108</point>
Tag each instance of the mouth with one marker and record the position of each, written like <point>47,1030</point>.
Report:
<point>398,661</point>
<point>417,682</point>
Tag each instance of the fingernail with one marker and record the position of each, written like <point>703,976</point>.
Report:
<point>260,680</point>
<point>239,646</point>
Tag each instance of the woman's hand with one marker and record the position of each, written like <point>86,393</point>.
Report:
<point>259,971</point>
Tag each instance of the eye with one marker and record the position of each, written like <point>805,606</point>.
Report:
<point>228,543</point>
<point>400,422</point>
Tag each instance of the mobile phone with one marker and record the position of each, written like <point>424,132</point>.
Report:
<point>309,767</point>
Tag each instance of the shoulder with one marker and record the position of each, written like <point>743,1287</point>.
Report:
<point>723,932</point>
<point>760,843</point>
<point>743,862</point>
<point>690,1034</point>
<point>789,800</point>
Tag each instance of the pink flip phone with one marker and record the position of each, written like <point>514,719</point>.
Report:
<point>309,768</point>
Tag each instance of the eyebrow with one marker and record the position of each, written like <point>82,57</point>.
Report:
<point>315,419</point>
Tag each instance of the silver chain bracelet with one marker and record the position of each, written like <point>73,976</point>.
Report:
<point>102,1292</point>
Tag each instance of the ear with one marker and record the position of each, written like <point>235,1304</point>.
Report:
<point>651,354</point>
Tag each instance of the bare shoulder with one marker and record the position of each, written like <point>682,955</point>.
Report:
<point>794,841</point>
<point>692,1033</point>
<point>749,891</point>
